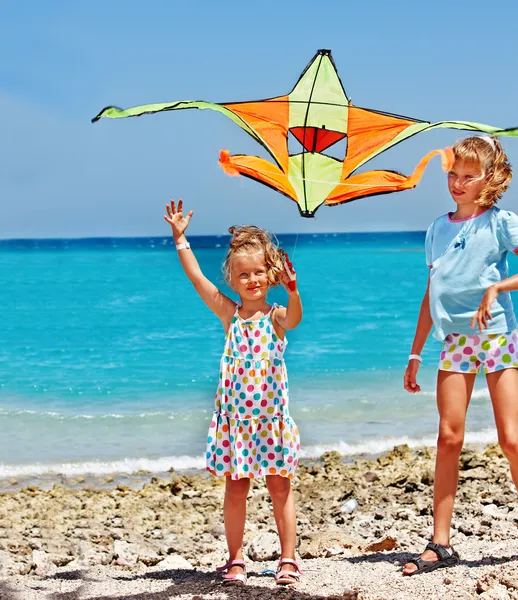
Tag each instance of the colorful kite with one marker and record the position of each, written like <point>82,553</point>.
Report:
<point>317,113</point>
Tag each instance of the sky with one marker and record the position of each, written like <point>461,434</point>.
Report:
<point>61,62</point>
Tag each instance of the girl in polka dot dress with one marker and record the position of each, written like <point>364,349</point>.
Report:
<point>468,290</point>
<point>251,433</point>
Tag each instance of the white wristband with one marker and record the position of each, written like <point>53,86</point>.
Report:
<point>415,357</point>
<point>185,246</point>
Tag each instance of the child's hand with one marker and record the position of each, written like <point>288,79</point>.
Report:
<point>175,218</point>
<point>410,382</point>
<point>484,310</point>
<point>288,277</point>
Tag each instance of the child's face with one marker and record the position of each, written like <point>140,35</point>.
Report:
<point>466,180</point>
<point>250,276</point>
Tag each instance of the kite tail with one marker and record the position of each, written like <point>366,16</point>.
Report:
<point>224,161</point>
<point>372,183</point>
<point>447,160</point>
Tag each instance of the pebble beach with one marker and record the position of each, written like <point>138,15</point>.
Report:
<point>155,538</point>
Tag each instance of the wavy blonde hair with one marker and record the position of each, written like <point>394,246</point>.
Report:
<point>249,239</point>
<point>487,152</point>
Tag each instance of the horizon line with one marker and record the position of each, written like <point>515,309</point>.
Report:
<point>201,235</point>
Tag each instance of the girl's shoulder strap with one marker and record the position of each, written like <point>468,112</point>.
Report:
<point>272,310</point>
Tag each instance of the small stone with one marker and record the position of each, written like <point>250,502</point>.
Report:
<point>191,494</point>
<point>175,561</point>
<point>490,510</point>
<point>264,546</point>
<point>90,556</point>
<point>496,592</point>
<point>387,543</point>
<point>510,581</point>
<point>476,473</point>
<point>349,506</point>
<point>405,514</point>
<point>169,544</point>
<point>126,554</point>
<point>157,534</point>
<point>61,561</point>
<point>218,531</point>
<point>446,581</point>
<point>149,558</point>
<point>371,476</point>
<point>322,544</point>
<point>43,565</point>
<point>466,530</point>
<point>21,568</point>
<point>20,549</point>
<point>5,561</point>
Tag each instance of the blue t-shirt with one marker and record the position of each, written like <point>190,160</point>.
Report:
<point>465,257</point>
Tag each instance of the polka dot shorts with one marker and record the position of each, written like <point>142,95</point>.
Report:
<point>473,352</point>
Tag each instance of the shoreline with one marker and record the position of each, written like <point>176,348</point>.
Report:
<point>168,533</point>
<point>106,479</point>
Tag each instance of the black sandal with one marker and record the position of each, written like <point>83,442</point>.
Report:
<point>447,557</point>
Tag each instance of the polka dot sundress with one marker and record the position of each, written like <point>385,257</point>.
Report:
<point>252,433</point>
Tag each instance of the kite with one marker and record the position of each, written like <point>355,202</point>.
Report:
<point>318,114</point>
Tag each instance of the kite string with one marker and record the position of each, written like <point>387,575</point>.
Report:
<point>295,246</point>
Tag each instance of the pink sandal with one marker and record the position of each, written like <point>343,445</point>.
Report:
<point>283,577</point>
<point>233,578</point>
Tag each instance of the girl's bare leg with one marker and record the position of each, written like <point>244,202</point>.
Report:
<point>234,510</point>
<point>503,389</point>
<point>453,395</point>
<point>284,513</point>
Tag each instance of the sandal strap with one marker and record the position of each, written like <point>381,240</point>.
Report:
<point>443,552</point>
<point>286,575</point>
<point>230,564</point>
<point>420,563</point>
<point>289,561</point>
<point>235,577</point>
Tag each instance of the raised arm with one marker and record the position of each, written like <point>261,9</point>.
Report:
<point>220,304</point>
<point>289,317</point>
<point>423,328</point>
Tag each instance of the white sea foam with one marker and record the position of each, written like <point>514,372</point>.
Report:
<point>481,393</point>
<point>74,417</point>
<point>379,445</point>
<point>126,465</point>
<point>179,463</point>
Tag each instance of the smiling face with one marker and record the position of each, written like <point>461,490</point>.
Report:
<point>466,180</point>
<point>250,276</point>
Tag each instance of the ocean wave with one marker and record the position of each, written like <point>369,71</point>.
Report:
<point>185,462</point>
<point>74,417</point>
<point>123,466</point>
<point>482,393</point>
<point>379,445</point>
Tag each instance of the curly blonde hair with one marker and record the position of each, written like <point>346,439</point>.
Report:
<point>249,239</point>
<point>487,152</point>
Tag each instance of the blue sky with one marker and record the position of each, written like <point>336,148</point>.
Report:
<point>61,62</point>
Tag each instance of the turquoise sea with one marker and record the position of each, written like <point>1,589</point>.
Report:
<point>109,359</point>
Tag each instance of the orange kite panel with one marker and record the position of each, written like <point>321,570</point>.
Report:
<point>368,131</point>
<point>270,119</point>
